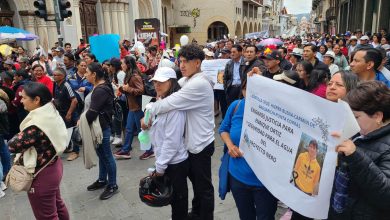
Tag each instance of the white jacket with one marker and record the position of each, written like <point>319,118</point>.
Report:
<point>167,135</point>
<point>197,100</point>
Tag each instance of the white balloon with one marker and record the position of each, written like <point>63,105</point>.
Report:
<point>184,40</point>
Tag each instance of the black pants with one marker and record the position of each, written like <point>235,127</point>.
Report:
<point>297,216</point>
<point>232,93</point>
<point>177,174</point>
<point>219,95</point>
<point>200,176</point>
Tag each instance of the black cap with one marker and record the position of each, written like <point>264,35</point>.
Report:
<point>225,51</point>
<point>115,62</point>
<point>22,73</point>
<point>275,55</point>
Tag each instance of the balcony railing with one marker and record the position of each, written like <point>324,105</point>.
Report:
<point>258,3</point>
<point>331,13</point>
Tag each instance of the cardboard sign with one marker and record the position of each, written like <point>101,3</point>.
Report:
<point>105,46</point>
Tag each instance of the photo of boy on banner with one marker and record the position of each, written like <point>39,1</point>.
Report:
<point>306,173</point>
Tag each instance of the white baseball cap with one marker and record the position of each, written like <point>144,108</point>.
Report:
<point>365,37</point>
<point>353,37</point>
<point>297,52</point>
<point>284,77</point>
<point>330,54</point>
<point>163,74</point>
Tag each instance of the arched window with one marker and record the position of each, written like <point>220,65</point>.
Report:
<point>216,30</point>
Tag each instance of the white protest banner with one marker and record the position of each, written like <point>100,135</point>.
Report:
<point>286,139</point>
<point>214,69</point>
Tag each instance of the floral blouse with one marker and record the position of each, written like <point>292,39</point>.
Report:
<point>33,137</point>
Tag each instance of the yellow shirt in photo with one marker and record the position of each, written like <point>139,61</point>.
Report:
<point>308,173</point>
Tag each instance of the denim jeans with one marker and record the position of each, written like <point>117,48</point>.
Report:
<point>133,122</point>
<point>107,165</point>
<point>116,127</point>
<point>5,156</point>
<point>253,202</point>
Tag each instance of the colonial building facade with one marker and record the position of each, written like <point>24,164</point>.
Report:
<point>339,16</point>
<point>202,20</point>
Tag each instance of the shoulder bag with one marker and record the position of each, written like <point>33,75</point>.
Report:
<point>19,179</point>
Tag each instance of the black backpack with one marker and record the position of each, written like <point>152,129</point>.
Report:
<point>148,86</point>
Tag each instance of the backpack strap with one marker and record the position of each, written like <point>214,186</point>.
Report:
<point>236,107</point>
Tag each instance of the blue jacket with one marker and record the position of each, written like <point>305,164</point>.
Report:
<point>77,82</point>
<point>237,167</point>
<point>380,77</point>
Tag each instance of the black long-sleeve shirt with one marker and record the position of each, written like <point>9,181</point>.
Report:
<point>102,100</point>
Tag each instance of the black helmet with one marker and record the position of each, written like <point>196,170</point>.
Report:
<point>155,191</point>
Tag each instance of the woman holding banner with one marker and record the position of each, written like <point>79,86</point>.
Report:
<point>340,84</point>
<point>362,180</point>
<point>252,199</point>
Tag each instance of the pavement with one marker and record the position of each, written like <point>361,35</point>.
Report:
<point>83,204</point>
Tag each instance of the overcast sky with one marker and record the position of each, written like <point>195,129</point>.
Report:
<point>298,6</point>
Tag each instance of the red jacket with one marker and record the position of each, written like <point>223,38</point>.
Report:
<point>45,80</point>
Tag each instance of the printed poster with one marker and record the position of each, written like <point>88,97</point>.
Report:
<point>148,28</point>
<point>286,139</point>
<point>215,69</point>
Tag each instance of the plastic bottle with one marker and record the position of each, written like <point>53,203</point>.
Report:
<point>143,136</point>
<point>151,170</point>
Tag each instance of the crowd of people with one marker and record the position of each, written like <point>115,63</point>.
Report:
<point>103,99</point>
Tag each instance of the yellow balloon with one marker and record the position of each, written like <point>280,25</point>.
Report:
<point>5,49</point>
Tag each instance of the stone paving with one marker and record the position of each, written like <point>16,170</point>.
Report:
<point>83,205</point>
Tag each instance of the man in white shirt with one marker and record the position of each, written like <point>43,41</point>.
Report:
<point>58,60</point>
<point>196,98</point>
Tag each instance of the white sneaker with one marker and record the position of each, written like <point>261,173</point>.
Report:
<point>117,141</point>
<point>3,186</point>
<point>2,194</point>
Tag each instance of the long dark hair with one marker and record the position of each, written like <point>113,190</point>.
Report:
<point>132,67</point>
<point>92,56</point>
<point>100,74</point>
<point>317,77</point>
<point>326,48</point>
<point>98,70</point>
<point>35,89</point>
<point>174,87</point>
<point>307,66</point>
